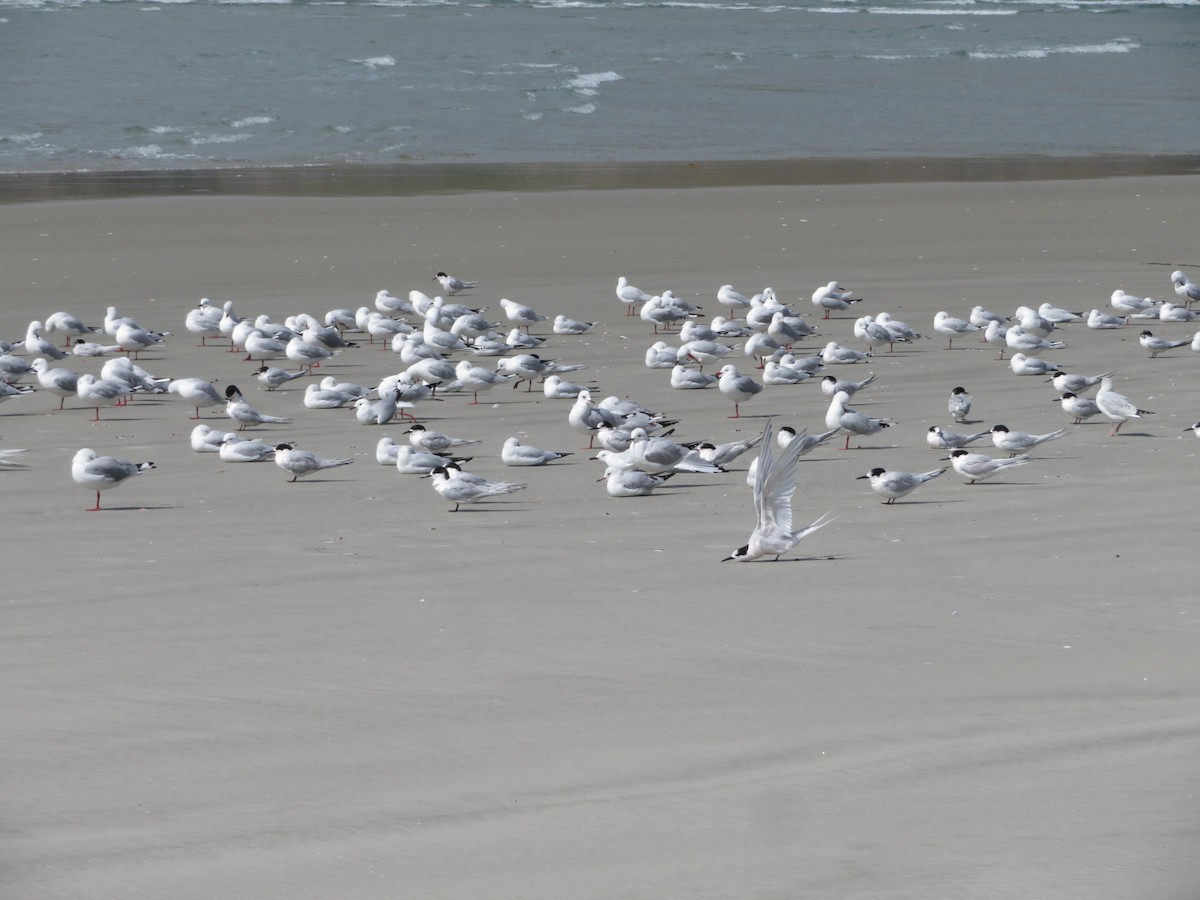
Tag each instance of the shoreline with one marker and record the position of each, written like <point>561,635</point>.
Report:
<point>443,179</point>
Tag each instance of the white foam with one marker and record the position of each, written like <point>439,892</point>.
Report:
<point>584,110</point>
<point>591,81</point>
<point>376,62</point>
<point>201,140</point>
<point>1119,46</point>
<point>251,120</point>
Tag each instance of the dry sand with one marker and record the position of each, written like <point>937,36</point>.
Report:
<point>231,686</point>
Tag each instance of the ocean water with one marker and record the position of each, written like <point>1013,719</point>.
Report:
<point>109,85</point>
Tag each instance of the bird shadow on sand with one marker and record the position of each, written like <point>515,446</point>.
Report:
<point>802,559</point>
<point>493,507</point>
<point>131,508</point>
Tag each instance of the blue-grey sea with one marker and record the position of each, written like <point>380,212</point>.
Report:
<point>105,85</point>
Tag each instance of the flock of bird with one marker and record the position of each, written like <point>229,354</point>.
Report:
<point>632,441</point>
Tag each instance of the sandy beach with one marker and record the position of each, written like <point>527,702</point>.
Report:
<point>226,685</point>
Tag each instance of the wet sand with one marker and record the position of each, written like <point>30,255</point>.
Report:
<point>228,685</point>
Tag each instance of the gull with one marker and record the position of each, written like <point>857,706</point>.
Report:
<point>7,391</point>
<point>1016,442</point>
<point>631,482</point>
<point>760,345</point>
<point>434,441</point>
<point>726,327</point>
<point>377,325</point>
<point>1196,342</point>
<point>939,438</point>
<point>995,333</point>
<point>433,372</point>
<point>317,397</point>
<point>521,315</point>
<point>206,439</point>
<point>452,285</point>
<point>659,454</point>
<point>385,451</point>
<point>835,354</point>
<point>459,490</point>
<point>63,382</point>
<point>306,353</point>
<point>1157,345</point>
<point>980,317</point>
<point>564,325</point>
<point>96,392</point>
<point>1032,322</point>
<point>959,405</point>
<point>347,389</point>
<point>831,384</point>
<point>723,454</point>
<point>126,372</point>
<point>1031,365</point>
<point>554,387</point>
<point>1170,312</point>
<point>660,311</point>
<point>774,485</point>
<point>323,336</point>
<point>243,413</point>
<point>302,462</point>
<point>13,368</point>
<point>342,319</point>
<point>235,448</point>
<point>274,376</point>
<point>841,416</point>
<point>90,349</point>
<point>1185,288</point>
<point>978,466</point>
<point>895,485</point>
<point>811,364</point>
<point>476,378</point>
<point>388,304</point>
<point>101,473</point>
<point>412,348</point>
<point>693,330</point>
<point>1056,315</point>
<point>833,296</point>
<point>514,453</point>
<point>112,321</point>
<point>1100,321</point>
<point>727,296</point>
<point>411,461</point>
<point>379,412</point>
<point>787,330</point>
<point>259,346</point>
<point>418,302</point>
<point>630,295</point>
<point>196,391</point>
<point>737,387</point>
<point>777,373</point>
<point>1130,305</point>
<point>1075,383</point>
<point>1017,338</point>
<point>36,345</point>
<point>1078,408</point>
<point>529,367</point>
<point>702,352</point>
<point>1117,407</point>
<point>519,340</point>
<point>873,333</point>
<point>661,355</point>
<point>133,339</point>
<point>897,330</point>
<point>944,323</point>
<point>67,323</point>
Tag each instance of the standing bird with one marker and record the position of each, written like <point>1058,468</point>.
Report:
<point>243,413</point>
<point>1183,285</point>
<point>831,384</point>
<point>959,404</point>
<point>520,315</point>
<point>196,391</point>
<point>1078,408</point>
<point>275,376</point>
<point>59,381</point>
<point>434,441</point>
<point>939,438</point>
<point>630,295</point>
<point>476,378</point>
<point>895,485</point>
<point>839,415</point>
<point>774,485</point>
<point>944,323</point>
<point>96,392</point>
<point>1064,382</point>
<point>978,466</point>
<point>301,462</point>
<point>67,323</point>
<point>737,387</point>
<point>452,285</point>
<point>833,296</point>
<point>37,345</point>
<point>1117,407</point>
<point>1016,442</point>
<point>100,473</point>
<point>459,490</point>
<point>1157,345</point>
